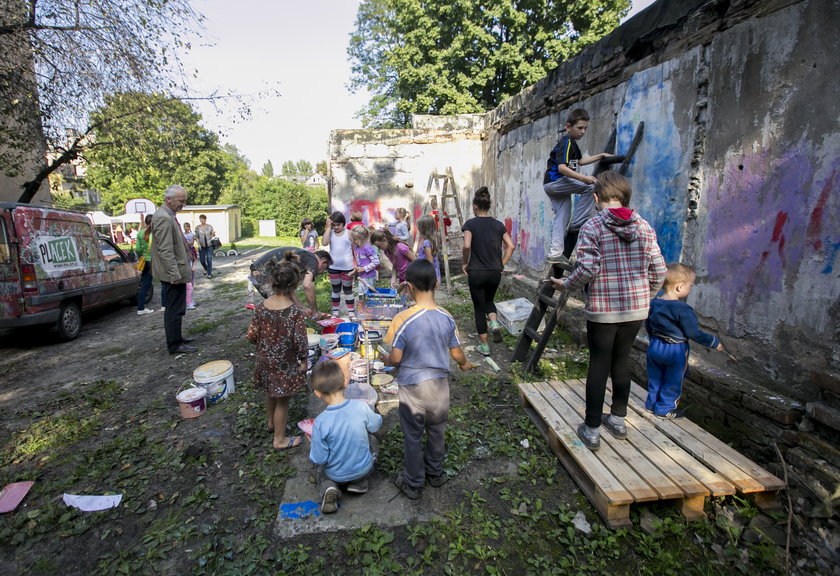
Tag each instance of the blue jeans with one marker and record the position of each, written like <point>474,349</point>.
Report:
<point>145,283</point>
<point>205,256</point>
<point>666,367</point>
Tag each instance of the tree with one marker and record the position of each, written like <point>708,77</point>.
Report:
<point>288,168</point>
<point>268,169</point>
<point>72,54</point>
<point>445,57</point>
<point>140,154</point>
<point>299,168</point>
<point>304,168</point>
<point>321,168</point>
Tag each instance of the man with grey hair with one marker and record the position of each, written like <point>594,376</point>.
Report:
<point>171,265</point>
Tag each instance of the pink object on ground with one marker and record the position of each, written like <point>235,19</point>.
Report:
<point>306,426</point>
<point>13,494</point>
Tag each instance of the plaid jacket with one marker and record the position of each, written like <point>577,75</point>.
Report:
<point>618,256</point>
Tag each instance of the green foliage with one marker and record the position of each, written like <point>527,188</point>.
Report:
<point>299,168</point>
<point>275,199</point>
<point>268,169</point>
<point>443,57</point>
<point>145,143</point>
<point>62,58</point>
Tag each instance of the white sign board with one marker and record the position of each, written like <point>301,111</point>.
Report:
<point>141,206</point>
<point>268,228</point>
<point>58,253</point>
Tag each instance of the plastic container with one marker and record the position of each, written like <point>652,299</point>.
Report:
<point>347,334</point>
<point>381,295</point>
<point>363,392</point>
<point>513,315</point>
<point>328,342</point>
<point>217,378</point>
<point>192,402</point>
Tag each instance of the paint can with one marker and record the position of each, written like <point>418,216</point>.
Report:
<point>328,342</point>
<point>192,401</point>
<point>217,378</point>
<point>347,334</point>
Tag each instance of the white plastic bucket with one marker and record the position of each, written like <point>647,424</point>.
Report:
<point>328,342</point>
<point>217,378</point>
<point>191,402</point>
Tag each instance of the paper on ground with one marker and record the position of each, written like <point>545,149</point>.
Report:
<point>92,503</point>
<point>13,494</point>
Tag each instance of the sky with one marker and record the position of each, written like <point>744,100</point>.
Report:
<point>296,47</point>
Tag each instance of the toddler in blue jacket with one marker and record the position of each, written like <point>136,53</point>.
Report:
<point>671,323</point>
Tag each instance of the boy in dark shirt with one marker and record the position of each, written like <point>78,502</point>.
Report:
<point>562,179</point>
<point>670,325</point>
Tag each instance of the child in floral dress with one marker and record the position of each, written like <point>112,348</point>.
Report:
<point>279,331</point>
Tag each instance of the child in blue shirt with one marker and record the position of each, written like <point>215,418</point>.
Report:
<point>422,340</point>
<point>343,446</point>
<point>671,323</point>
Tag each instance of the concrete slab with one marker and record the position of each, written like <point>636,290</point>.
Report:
<point>383,505</point>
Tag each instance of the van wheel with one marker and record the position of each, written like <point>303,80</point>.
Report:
<point>69,321</point>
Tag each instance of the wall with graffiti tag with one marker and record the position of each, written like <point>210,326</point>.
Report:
<point>737,169</point>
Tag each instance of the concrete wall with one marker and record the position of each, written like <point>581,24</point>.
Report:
<point>378,171</point>
<point>737,171</point>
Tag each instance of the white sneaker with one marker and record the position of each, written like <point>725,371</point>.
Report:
<point>191,307</point>
<point>144,311</point>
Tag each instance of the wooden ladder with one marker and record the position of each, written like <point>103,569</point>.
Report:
<point>441,187</point>
<point>546,303</point>
<point>546,300</point>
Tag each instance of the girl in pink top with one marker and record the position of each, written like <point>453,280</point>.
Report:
<point>396,251</point>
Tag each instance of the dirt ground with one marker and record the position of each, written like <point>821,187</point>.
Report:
<point>98,416</point>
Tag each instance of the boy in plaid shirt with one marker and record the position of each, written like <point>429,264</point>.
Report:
<point>619,258</point>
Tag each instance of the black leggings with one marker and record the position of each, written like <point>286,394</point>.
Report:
<point>483,285</point>
<point>609,355</point>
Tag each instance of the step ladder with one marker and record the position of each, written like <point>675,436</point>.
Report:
<point>441,187</point>
<point>547,301</point>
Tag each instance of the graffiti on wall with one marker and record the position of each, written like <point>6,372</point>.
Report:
<point>772,217</point>
<point>658,190</point>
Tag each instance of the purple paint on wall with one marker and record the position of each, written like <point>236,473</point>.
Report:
<point>762,212</point>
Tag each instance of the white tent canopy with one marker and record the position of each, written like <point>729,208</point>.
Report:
<point>99,218</point>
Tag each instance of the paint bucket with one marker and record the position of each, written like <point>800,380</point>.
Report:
<point>191,402</point>
<point>359,371</point>
<point>217,378</point>
<point>359,387</point>
<point>347,333</point>
<point>328,342</point>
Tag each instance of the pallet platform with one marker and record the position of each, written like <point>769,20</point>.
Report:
<point>671,460</point>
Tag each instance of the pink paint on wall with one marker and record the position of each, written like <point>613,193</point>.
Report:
<point>815,224</point>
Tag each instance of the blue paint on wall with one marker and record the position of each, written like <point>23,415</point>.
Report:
<point>658,194</point>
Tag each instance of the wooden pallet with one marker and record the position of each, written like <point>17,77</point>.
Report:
<point>671,460</point>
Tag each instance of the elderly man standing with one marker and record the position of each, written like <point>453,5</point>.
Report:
<point>171,265</point>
